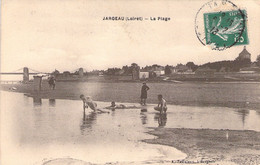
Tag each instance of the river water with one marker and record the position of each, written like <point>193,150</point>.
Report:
<point>51,129</point>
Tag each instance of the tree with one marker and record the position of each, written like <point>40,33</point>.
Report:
<point>192,66</point>
<point>66,72</point>
<point>55,72</point>
<point>242,63</point>
<point>167,70</point>
<point>113,71</point>
<point>233,66</point>
<point>126,70</point>
<point>134,65</point>
<point>258,60</point>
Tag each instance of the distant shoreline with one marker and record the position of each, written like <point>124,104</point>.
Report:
<point>227,94</point>
<point>8,82</point>
<point>171,78</point>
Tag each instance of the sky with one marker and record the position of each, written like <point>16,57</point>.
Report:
<point>66,34</point>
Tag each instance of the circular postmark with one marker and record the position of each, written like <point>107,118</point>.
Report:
<point>221,24</point>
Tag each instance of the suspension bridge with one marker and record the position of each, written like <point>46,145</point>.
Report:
<point>25,71</point>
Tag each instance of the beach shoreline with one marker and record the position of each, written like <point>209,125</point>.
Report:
<point>216,146</point>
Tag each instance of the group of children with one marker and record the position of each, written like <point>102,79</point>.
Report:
<point>88,102</point>
<point>161,107</point>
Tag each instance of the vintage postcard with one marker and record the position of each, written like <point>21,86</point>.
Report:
<point>130,82</point>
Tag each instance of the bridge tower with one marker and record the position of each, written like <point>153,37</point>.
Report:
<point>81,73</point>
<point>25,74</point>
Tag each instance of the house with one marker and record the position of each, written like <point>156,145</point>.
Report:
<point>173,70</point>
<point>154,70</point>
<point>189,71</point>
<point>180,68</point>
<point>244,55</point>
<point>159,72</point>
<point>143,75</point>
<point>101,73</point>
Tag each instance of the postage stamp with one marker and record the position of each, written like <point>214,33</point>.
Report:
<point>220,24</point>
<point>225,29</point>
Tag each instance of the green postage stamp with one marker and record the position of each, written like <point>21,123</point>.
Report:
<point>226,28</point>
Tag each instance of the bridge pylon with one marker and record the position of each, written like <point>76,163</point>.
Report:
<point>25,74</point>
<point>81,73</point>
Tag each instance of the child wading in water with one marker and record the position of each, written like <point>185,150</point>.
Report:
<point>88,102</point>
<point>162,107</point>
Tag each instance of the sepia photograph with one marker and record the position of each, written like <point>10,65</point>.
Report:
<point>130,82</point>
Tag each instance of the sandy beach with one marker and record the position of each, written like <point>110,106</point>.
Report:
<point>234,95</point>
<point>219,146</point>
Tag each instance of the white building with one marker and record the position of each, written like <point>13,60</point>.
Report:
<point>159,72</point>
<point>143,75</point>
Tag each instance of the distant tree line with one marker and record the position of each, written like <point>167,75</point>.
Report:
<point>227,66</point>
<point>126,70</point>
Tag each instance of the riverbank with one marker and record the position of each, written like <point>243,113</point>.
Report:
<point>220,146</point>
<point>234,95</point>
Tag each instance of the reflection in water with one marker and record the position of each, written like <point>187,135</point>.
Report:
<point>243,113</point>
<point>161,118</point>
<point>258,112</point>
<point>52,102</point>
<point>88,121</point>
<point>143,116</point>
<point>37,101</point>
<point>26,100</point>
<point>113,113</point>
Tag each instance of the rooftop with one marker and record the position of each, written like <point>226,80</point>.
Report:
<point>244,51</point>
